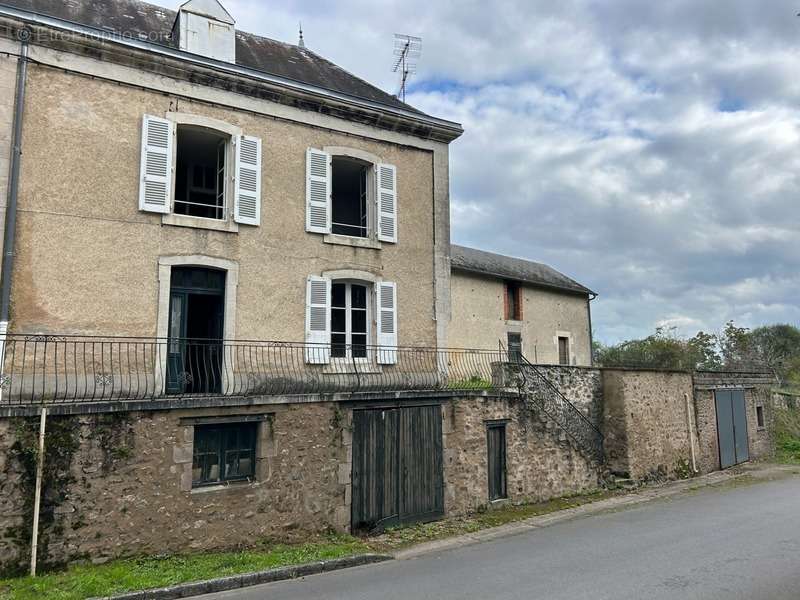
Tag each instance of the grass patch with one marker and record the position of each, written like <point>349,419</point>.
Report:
<point>80,582</point>
<point>402,537</point>
<point>787,436</point>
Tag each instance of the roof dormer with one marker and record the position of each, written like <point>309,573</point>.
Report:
<point>204,27</point>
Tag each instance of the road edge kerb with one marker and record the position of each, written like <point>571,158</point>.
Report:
<point>233,582</point>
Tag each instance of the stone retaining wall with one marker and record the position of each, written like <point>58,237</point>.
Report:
<point>121,484</point>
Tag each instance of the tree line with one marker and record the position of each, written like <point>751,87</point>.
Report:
<point>773,348</point>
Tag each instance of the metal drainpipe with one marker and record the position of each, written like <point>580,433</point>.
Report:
<point>13,193</point>
<point>591,297</point>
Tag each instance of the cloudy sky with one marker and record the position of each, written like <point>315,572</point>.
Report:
<point>650,150</point>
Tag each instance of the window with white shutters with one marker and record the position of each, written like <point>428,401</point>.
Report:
<point>318,191</point>
<point>387,322</point>
<point>247,202</point>
<point>156,165</point>
<point>193,166</point>
<point>318,319</point>
<point>351,195</point>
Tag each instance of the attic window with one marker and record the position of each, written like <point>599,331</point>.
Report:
<point>350,199</point>
<point>200,173</point>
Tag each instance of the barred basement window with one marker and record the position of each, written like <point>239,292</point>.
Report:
<point>223,453</point>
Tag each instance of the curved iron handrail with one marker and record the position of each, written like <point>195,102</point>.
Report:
<point>586,434</point>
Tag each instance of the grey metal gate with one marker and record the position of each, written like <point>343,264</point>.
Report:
<point>731,427</point>
<point>397,474</point>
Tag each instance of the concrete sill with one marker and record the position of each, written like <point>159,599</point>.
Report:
<point>355,242</point>
<point>234,485</point>
<point>227,226</point>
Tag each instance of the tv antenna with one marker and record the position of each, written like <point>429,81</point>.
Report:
<point>407,50</point>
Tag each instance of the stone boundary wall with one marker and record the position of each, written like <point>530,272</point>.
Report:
<point>120,484</point>
<point>645,422</point>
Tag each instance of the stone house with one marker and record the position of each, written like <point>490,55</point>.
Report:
<point>226,277</point>
<point>528,306</point>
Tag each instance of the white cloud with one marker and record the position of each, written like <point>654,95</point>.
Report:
<point>649,150</point>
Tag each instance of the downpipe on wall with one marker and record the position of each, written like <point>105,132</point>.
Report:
<point>691,428</point>
<point>13,194</point>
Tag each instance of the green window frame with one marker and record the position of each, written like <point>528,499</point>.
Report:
<point>223,453</point>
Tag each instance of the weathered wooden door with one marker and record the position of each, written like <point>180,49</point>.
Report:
<point>731,427</point>
<point>397,466</point>
<point>496,460</point>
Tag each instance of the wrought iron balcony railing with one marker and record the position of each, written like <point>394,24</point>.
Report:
<point>48,369</point>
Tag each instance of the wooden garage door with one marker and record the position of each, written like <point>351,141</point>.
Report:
<point>397,466</point>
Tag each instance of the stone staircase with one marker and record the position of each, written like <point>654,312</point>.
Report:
<point>542,396</point>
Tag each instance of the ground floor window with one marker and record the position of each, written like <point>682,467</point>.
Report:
<point>760,417</point>
<point>496,446</point>
<point>349,320</point>
<point>224,452</point>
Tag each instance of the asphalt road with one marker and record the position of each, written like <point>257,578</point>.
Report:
<point>729,543</point>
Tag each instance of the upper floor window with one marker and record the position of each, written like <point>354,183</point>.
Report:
<point>563,350</point>
<point>197,167</point>
<point>350,197</point>
<point>200,174</point>
<point>513,304</point>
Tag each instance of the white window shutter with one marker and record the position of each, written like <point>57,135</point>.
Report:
<point>387,203</point>
<point>318,191</point>
<point>247,197</point>
<point>318,321</point>
<point>156,168</point>
<point>387,322</point>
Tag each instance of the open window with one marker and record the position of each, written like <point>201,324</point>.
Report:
<point>350,198</point>
<point>200,173</point>
<point>199,168</point>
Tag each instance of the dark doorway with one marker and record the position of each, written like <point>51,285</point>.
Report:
<point>731,427</point>
<point>496,451</point>
<point>397,466</point>
<point>196,313</point>
<point>515,347</point>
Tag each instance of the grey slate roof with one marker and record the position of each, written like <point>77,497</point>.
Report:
<point>516,269</point>
<point>138,19</point>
